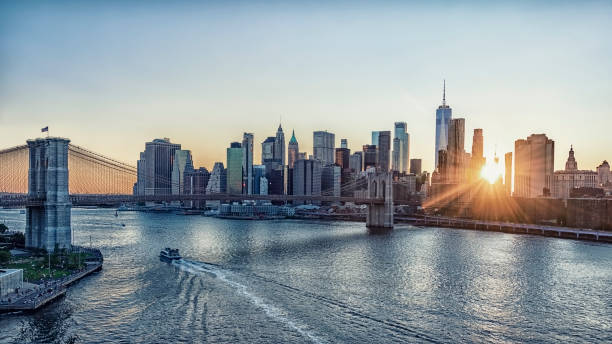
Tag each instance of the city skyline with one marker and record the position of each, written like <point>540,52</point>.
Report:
<point>110,87</point>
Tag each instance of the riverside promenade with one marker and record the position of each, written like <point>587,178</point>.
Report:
<point>34,298</point>
<point>508,227</point>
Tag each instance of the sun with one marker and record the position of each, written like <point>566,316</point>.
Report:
<point>491,171</point>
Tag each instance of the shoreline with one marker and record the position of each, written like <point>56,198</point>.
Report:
<point>49,291</point>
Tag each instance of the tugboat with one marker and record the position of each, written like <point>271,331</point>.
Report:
<point>169,254</point>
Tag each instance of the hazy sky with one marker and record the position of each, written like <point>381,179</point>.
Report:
<point>112,76</point>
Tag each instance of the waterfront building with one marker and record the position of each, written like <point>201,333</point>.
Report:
<point>356,161</point>
<point>508,173</point>
<point>330,180</point>
<point>342,157</point>
<point>267,149</point>
<point>235,168</point>
<point>323,147</point>
<point>11,280</point>
<point>444,114</point>
<point>477,160</point>
<point>384,151</point>
<point>370,158</point>
<point>218,179</point>
<point>456,151</point>
<point>307,178</point>
<point>279,146</point>
<point>247,163</point>
<point>534,160</point>
<point>572,177</point>
<point>415,166</point>
<point>403,149</point>
<point>158,159</point>
<point>182,164</point>
<point>293,150</point>
<point>604,178</point>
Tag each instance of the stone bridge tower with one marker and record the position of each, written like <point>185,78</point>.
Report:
<point>380,186</point>
<point>48,225</point>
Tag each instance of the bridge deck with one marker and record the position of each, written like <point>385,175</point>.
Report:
<point>21,200</point>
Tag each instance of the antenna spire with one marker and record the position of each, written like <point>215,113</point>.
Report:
<point>444,94</point>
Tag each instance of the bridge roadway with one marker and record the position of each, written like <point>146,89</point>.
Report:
<point>22,200</point>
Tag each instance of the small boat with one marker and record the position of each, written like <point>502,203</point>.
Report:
<point>169,254</point>
<point>116,214</point>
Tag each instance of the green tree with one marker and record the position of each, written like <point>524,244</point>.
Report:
<point>5,256</point>
<point>3,228</point>
<point>18,239</point>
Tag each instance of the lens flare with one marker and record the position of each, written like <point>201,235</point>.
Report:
<point>492,171</point>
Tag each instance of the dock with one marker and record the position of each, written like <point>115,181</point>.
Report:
<point>49,291</point>
<point>509,227</point>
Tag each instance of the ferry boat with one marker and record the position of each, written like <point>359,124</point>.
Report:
<point>169,254</point>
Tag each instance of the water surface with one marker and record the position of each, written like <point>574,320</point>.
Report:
<point>321,282</point>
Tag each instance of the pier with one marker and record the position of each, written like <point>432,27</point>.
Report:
<point>509,227</point>
<point>45,293</point>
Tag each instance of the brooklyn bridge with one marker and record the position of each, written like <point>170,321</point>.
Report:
<point>49,175</point>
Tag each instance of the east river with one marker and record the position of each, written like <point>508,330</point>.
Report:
<point>294,281</point>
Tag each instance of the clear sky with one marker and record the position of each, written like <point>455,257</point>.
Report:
<point>112,76</point>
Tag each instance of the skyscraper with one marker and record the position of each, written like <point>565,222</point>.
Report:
<point>330,180</point>
<point>604,177</point>
<point>267,149</point>
<point>217,183</point>
<point>477,160</point>
<point>342,157</point>
<point>293,150</point>
<point>182,164</point>
<point>247,163</point>
<point>375,135</point>
<point>456,150</point>
<point>307,178</point>
<point>415,166</point>
<point>384,150</point>
<point>395,155</point>
<point>533,166</point>
<point>323,147</point>
<point>508,173</point>
<point>356,161</point>
<point>279,146</point>
<point>403,151</point>
<point>141,175</point>
<point>343,143</point>
<point>235,168</point>
<point>370,153</point>
<point>259,172</point>
<point>444,114</point>
<point>159,157</point>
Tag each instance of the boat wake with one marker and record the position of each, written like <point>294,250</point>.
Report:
<point>274,312</point>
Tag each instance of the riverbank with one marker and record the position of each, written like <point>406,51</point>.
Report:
<point>37,295</point>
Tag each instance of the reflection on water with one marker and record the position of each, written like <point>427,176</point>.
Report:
<point>311,281</point>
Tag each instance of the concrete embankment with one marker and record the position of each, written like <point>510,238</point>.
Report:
<point>508,227</point>
<point>51,290</point>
